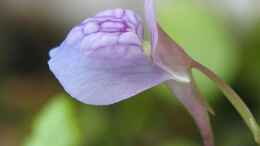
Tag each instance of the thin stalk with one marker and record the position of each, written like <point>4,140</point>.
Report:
<point>234,98</point>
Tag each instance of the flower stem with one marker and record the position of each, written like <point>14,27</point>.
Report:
<point>234,98</point>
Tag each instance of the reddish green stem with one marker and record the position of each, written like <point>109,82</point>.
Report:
<point>234,98</point>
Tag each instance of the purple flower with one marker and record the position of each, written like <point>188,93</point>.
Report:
<point>102,61</point>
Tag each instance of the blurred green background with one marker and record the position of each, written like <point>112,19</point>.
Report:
<point>35,111</point>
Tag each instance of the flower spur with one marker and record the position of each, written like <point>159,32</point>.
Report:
<point>102,62</point>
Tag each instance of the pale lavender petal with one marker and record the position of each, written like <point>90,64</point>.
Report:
<point>151,22</point>
<point>105,66</point>
<point>191,98</point>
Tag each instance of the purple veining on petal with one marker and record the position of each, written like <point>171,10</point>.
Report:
<point>133,20</point>
<point>102,61</point>
<point>129,37</point>
<point>113,25</point>
<point>109,28</point>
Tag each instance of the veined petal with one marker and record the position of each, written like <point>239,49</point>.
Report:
<point>108,65</point>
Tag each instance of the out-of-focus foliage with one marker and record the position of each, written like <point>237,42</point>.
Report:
<point>180,142</point>
<point>56,125</point>
<point>93,122</point>
<point>203,36</point>
<point>251,57</point>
